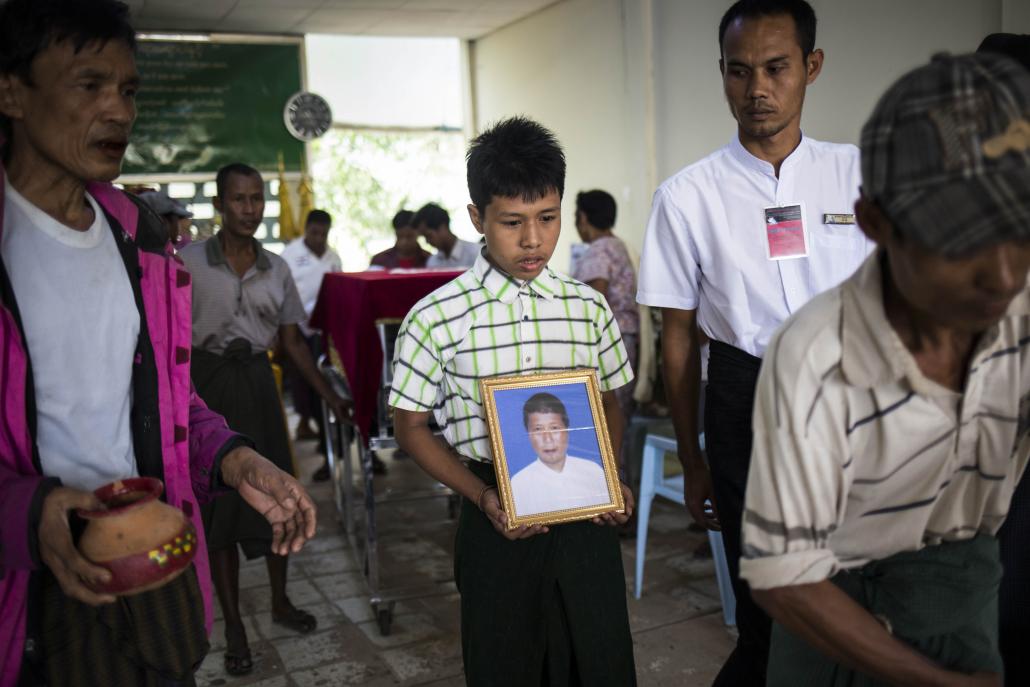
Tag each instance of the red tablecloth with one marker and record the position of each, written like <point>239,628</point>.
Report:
<point>349,305</point>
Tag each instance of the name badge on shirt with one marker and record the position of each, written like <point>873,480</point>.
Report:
<point>838,218</point>
<point>785,232</point>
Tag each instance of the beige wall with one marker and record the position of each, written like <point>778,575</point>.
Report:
<point>572,67</point>
<point>867,46</point>
<point>582,67</point>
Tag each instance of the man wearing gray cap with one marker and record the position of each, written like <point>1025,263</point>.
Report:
<point>892,419</point>
<point>171,213</point>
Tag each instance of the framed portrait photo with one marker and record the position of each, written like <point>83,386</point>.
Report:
<point>552,453</point>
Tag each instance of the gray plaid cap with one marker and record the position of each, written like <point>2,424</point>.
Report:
<point>163,204</point>
<point>946,153</point>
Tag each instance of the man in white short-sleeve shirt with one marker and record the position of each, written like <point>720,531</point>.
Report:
<point>892,413</point>
<point>310,258</point>
<point>736,243</point>
<point>433,223</point>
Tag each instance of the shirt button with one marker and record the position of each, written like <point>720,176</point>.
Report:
<point>528,358</point>
<point>525,318</point>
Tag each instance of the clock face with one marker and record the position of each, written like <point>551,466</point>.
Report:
<point>307,116</point>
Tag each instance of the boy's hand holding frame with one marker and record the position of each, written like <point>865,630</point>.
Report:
<point>437,458</point>
<point>411,429</point>
<point>555,399</point>
<point>491,507</point>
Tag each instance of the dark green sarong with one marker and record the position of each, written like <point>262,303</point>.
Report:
<point>548,611</point>
<point>942,601</point>
<point>240,386</point>
<point>150,639</point>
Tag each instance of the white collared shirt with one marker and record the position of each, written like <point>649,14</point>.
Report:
<point>706,248</point>
<point>308,270</point>
<point>858,456</point>
<point>538,488</point>
<point>463,255</point>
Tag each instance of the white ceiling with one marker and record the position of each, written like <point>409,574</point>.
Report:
<point>458,18</point>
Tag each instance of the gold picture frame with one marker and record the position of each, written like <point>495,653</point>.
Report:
<point>539,479</point>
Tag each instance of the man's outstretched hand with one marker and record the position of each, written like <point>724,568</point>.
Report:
<point>275,494</point>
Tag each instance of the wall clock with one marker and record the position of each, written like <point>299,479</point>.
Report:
<point>307,116</point>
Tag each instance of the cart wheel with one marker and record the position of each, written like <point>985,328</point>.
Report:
<point>384,617</point>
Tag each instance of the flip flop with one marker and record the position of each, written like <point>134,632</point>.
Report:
<point>237,660</point>
<point>240,663</point>
<point>297,620</point>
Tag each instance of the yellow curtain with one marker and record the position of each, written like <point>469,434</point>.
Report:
<point>287,224</point>
<point>307,200</point>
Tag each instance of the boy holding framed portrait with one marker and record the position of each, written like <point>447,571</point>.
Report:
<point>541,603</point>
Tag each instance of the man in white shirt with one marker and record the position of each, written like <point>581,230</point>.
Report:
<point>736,243</point>
<point>434,225</point>
<point>892,414</point>
<point>310,258</point>
<point>555,480</point>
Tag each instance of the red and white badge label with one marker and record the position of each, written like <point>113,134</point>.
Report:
<point>785,232</point>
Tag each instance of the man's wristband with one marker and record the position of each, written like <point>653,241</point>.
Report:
<point>482,492</point>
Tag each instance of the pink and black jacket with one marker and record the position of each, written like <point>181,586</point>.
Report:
<point>176,437</point>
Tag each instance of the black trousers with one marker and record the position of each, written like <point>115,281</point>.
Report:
<point>548,611</point>
<point>729,398</point>
<point>1014,595</point>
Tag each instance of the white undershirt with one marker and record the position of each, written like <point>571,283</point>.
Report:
<point>81,326</point>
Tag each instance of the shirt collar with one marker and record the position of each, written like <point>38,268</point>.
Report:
<point>506,288</point>
<point>326,255</point>
<point>741,154</point>
<point>215,256</point>
<point>872,352</point>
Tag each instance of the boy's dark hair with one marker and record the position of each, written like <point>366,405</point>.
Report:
<point>515,158</point>
<point>222,178</point>
<point>402,219</point>
<point>799,10</point>
<point>319,217</point>
<point>28,27</point>
<point>598,206</point>
<point>431,215</point>
<point>544,402</point>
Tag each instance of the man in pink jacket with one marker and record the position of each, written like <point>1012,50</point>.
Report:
<point>94,366</point>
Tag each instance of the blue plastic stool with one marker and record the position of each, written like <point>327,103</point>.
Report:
<point>653,482</point>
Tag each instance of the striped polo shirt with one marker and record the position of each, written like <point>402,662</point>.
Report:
<point>486,323</point>
<point>858,456</point>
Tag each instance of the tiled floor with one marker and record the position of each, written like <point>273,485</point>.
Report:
<point>679,637</point>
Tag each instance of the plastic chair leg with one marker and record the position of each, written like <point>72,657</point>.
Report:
<point>647,487</point>
<point>722,577</point>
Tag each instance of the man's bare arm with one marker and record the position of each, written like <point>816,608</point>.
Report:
<point>835,625</point>
<point>681,365</point>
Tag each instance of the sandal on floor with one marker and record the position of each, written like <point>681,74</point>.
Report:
<point>238,663</point>
<point>297,620</point>
<point>237,660</point>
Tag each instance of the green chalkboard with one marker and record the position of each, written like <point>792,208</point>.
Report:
<point>206,104</point>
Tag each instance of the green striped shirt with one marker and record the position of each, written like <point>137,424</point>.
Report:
<point>484,324</point>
